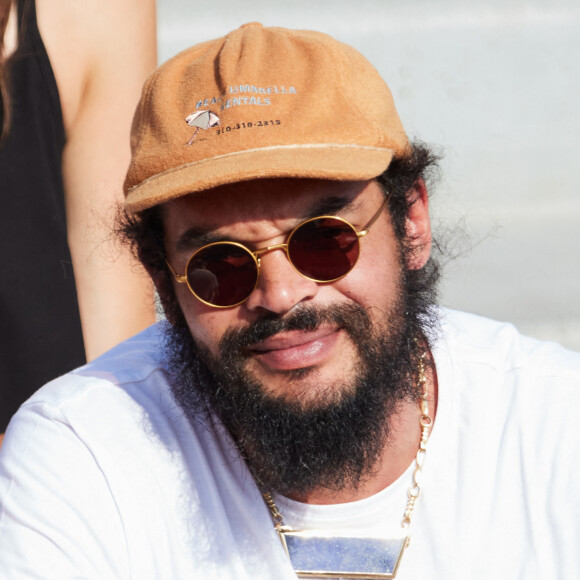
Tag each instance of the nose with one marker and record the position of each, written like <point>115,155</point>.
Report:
<point>280,286</point>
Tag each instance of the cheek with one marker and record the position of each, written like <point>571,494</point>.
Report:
<point>207,325</point>
<point>374,281</point>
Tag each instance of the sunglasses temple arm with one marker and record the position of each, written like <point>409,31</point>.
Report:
<point>367,227</point>
<point>179,278</point>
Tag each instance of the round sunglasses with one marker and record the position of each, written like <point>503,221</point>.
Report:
<point>323,249</point>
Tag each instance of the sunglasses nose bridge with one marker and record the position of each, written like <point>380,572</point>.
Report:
<point>259,253</point>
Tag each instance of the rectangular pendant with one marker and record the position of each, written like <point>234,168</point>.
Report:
<point>342,554</point>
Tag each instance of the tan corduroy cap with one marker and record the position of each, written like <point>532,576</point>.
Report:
<point>260,102</point>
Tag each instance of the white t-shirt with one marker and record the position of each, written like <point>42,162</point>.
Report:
<point>102,476</point>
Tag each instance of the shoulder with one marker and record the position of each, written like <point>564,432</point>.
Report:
<point>120,401</point>
<point>96,41</point>
<point>124,381</point>
<point>492,371</point>
<point>491,375</point>
<point>500,346</point>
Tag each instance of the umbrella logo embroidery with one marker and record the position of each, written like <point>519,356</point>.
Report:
<point>201,120</point>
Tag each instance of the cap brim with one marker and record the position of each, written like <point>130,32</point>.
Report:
<point>318,161</point>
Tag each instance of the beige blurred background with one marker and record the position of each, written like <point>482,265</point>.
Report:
<point>497,86</point>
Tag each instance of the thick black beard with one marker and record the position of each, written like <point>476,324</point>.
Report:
<point>332,444</point>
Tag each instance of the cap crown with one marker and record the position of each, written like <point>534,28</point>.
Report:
<point>260,102</point>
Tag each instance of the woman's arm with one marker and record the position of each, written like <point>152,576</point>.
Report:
<point>101,52</point>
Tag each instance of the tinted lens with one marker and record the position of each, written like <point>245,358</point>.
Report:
<point>222,274</point>
<point>324,249</point>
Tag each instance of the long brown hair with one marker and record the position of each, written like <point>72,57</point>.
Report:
<point>5,6</point>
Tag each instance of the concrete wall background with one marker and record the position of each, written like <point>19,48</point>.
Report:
<point>496,84</point>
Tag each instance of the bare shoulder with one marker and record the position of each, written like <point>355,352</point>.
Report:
<point>95,44</point>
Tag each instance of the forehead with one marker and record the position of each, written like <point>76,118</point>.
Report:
<point>274,200</point>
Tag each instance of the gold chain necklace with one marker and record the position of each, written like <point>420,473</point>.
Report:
<point>342,554</point>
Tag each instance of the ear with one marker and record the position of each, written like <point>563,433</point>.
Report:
<point>418,226</point>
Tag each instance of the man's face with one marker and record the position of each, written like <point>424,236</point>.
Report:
<point>299,366</point>
<point>307,377</point>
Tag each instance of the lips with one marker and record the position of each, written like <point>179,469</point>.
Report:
<point>296,349</point>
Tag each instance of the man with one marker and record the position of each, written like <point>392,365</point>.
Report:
<point>305,409</point>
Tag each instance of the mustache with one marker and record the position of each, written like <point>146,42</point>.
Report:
<point>351,317</point>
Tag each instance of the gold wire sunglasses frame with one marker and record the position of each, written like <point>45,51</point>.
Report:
<point>183,279</point>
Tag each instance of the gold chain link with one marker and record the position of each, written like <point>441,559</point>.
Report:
<point>276,515</point>
<point>425,423</point>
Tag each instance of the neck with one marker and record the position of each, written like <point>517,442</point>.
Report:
<point>398,453</point>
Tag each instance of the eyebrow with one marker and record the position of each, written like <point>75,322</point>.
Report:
<point>197,237</point>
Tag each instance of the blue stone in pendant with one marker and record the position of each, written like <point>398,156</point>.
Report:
<point>321,554</point>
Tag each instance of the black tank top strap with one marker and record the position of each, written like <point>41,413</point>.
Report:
<point>30,44</point>
<point>20,9</point>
